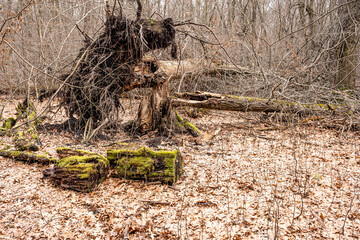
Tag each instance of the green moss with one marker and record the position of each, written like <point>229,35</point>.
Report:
<point>140,163</point>
<point>9,123</point>
<point>27,156</point>
<point>135,166</point>
<point>143,151</point>
<point>85,166</point>
<point>20,135</point>
<point>72,160</point>
<point>191,127</point>
<point>178,117</point>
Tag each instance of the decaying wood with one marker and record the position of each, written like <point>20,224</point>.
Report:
<point>177,69</point>
<point>27,157</point>
<point>135,162</point>
<point>79,173</point>
<point>247,104</point>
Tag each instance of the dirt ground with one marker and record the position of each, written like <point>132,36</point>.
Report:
<point>249,182</point>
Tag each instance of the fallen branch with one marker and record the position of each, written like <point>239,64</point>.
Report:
<point>27,157</point>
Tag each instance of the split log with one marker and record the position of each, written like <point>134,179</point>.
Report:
<point>27,157</point>
<point>134,162</point>
<point>247,104</point>
<point>79,173</point>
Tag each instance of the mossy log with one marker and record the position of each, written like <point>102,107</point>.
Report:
<point>133,162</point>
<point>79,173</point>
<point>27,157</point>
<point>247,104</point>
<point>191,128</point>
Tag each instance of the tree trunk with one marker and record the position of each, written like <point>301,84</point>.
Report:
<point>348,49</point>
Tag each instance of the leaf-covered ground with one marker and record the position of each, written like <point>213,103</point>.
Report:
<point>251,181</point>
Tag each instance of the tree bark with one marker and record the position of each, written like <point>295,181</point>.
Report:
<point>348,49</point>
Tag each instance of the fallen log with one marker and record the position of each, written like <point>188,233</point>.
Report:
<point>177,69</point>
<point>27,157</point>
<point>134,162</point>
<point>79,173</point>
<point>247,104</point>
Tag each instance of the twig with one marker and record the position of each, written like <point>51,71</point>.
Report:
<point>347,214</point>
<point>88,39</point>
<point>215,36</point>
<point>322,16</point>
<point>17,15</point>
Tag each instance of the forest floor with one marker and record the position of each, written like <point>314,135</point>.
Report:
<point>249,182</point>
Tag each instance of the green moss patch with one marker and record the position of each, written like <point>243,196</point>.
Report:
<point>143,163</point>
<point>182,123</point>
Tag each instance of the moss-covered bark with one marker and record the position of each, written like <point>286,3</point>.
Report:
<point>79,173</point>
<point>7,125</point>
<point>64,152</point>
<point>27,139</point>
<point>133,162</point>
<point>27,157</point>
<point>22,143</point>
<point>191,128</point>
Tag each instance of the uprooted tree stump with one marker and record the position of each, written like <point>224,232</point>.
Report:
<point>134,162</point>
<point>105,68</point>
<point>81,172</point>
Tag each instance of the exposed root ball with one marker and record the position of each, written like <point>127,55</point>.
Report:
<point>107,64</point>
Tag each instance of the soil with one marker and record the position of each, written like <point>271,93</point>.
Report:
<point>300,182</point>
